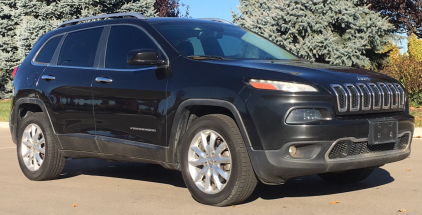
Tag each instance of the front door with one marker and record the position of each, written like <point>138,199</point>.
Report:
<point>129,101</point>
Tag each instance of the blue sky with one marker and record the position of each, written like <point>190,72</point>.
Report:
<point>222,9</point>
<point>211,8</point>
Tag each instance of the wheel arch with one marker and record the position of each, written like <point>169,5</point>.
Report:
<point>186,113</point>
<point>21,108</point>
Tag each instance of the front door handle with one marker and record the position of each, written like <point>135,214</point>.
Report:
<point>103,80</point>
<point>48,77</point>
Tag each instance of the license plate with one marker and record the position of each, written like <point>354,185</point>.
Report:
<point>382,132</point>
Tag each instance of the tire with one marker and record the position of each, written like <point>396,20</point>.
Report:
<point>38,155</point>
<point>347,177</point>
<point>228,169</point>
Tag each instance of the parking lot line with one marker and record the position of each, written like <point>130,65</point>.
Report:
<point>7,148</point>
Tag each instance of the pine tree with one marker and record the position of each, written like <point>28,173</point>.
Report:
<point>331,31</point>
<point>23,22</point>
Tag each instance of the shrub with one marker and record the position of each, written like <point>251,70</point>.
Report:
<point>408,69</point>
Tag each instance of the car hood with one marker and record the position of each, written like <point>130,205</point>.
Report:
<point>318,73</point>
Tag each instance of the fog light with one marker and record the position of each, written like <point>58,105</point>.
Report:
<point>292,150</point>
<point>303,116</point>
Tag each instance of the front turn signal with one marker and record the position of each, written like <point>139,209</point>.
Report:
<point>282,86</point>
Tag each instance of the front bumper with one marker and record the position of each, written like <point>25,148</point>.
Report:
<point>276,166</point>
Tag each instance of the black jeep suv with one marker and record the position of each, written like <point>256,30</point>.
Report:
<point>216,101</point>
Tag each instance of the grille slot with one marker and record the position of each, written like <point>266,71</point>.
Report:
<point>354,97</point>
<point>402,96</point>
<point>395,96</point>
<point>346,148</point>
<point>366,96</point>
<point>341,97</point>
<point>386,96</point>
<point>376,95</point>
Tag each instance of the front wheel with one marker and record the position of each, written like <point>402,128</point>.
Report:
<point>215,163</point>
<point>349,176</point>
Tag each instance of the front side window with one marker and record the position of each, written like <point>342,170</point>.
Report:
<point>47,51</point>
<point>122,40</point>
<point>79,48</point>
<point>192,39</point>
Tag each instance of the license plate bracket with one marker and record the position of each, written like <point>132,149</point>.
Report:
<point>382,131</point>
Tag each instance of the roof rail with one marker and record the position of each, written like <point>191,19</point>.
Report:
<point>104,16</point>
<point>216,20</point>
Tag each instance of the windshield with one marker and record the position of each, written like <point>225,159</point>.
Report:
<point>219,41</point>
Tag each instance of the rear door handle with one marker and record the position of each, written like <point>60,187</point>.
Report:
<point>48,77</point>
<point>103,80</point>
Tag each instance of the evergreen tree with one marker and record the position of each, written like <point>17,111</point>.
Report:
<point>334,31</point>
<point>8,23</point>
<point>22,22</point>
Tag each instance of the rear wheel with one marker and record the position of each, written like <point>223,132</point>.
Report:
<point>37,151</point>
<point>215,163</point>
<point>349,176</point>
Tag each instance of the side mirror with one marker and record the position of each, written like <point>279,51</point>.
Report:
<point>144,57</point>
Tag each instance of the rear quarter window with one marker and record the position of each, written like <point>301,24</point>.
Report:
<point>47,51</point>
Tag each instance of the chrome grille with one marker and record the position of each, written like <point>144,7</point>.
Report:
<point>370,96</point>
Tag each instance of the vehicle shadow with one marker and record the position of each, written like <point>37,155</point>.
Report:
<point>314,186</point>
<point>296,187</point>
<point>126,170</point>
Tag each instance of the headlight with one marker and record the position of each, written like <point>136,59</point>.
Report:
<point>280,85</point>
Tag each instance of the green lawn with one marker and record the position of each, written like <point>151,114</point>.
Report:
<point>417,113</point>
<point>5,109</point>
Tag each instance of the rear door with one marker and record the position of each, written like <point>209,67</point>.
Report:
<point>129,101</point>
<point>66,88</point>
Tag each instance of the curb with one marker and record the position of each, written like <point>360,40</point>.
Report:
<point>417,133</point>
<point>4,125</point>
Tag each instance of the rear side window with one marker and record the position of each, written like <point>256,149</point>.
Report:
<point>47,51</point>
<point>121,41</point>
<point>79,48</point>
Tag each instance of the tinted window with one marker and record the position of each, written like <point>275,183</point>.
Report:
<point>231,45</point>
<point>213,38</point>
<point>47,52</point>
<point>79,48</point>
<point>121,41</point>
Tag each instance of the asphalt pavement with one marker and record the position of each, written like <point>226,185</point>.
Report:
<point>91,186</point>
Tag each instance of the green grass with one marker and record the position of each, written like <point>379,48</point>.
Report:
<point>417,113</point>
<point>4,110</point>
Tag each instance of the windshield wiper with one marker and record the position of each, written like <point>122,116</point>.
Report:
<point>207,57</point>
<point>268,58</point>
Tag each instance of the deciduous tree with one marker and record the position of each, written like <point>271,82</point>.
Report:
<point>405,15</point>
